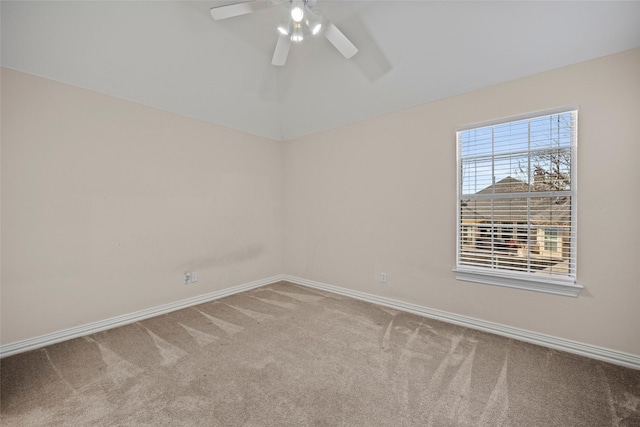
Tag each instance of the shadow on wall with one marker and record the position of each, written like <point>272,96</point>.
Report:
<point>233,257</point>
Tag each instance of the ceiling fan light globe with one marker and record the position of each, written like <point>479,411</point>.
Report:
<point>283,30</point>
<point>297,14</point>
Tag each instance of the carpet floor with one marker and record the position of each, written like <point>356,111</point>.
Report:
<point>287,355</point>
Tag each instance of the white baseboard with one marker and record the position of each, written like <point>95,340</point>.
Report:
<point>114,322</point>
<point>600,353</point>
<point>587,350</point>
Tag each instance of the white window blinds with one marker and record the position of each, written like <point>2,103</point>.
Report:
<point>516,203</point>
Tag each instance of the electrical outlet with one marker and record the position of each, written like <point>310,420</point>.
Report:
<point>187,278</point>
<point>194,276</point>
<point>383,277</point>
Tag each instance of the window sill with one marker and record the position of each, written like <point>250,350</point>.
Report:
<point>550,286</point>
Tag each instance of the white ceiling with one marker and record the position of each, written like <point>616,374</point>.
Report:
<point>172,55</point>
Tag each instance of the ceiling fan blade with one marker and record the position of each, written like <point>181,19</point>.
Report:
<point>340,41</point>
<point>237,9</point>
<point>282,50</point>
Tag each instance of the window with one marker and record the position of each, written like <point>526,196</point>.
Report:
<point>517,203</point>
<point>551,240</point>
<point>467,236</point>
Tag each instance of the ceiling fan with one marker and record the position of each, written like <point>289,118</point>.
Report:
<point>303,21</point>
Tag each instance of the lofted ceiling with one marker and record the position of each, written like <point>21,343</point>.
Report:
<point>172,55</point>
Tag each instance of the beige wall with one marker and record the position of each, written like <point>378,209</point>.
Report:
<point>380,196</point>
<point>105,203</point>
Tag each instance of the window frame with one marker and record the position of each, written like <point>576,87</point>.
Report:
<point>518,279</point>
